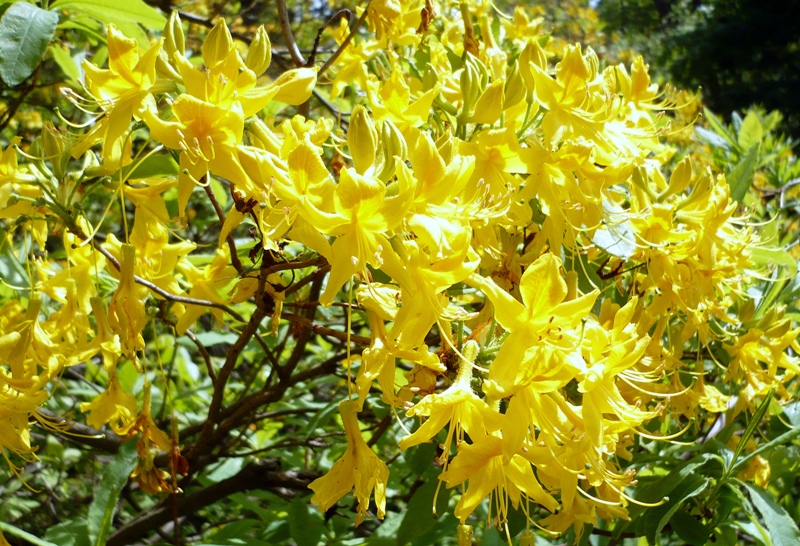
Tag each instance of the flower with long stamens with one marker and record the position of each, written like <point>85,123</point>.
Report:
<point>122,91</point>
<point>359,468</point>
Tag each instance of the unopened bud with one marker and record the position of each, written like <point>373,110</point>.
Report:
<point>174,41</point>
<point>362,139</point>
<point>490,104</point>
<point>259,56</point>
<point>393,144</point>
<point>515,88</point>
<point>218,44</point>
<point>465,535</point>
<point>473,81</point>
<point>296,85</point>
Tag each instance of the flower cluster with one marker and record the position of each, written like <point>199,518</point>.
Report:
<point>542,279</point>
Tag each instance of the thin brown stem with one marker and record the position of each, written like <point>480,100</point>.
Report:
<point>221,215</point>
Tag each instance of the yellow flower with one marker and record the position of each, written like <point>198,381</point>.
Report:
<point>457,406</point>
<point>542,329</point>
<point>367,213</point>
<point>358,468</point>
<point>488,472</point>
<point>126,314</point>
<point>122,91</point>
<point>114,407</point>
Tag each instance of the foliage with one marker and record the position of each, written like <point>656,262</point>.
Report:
<point>443,275</point>
<point>741,52</point>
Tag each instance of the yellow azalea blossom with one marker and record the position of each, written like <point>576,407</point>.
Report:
<point>122,91</point>
<point>207,135</point>
<point>359,468</point>
<point>367,212</point>
<point>538,327</point>
<point>114,407</point>
<point>488,474</point>
<point>126,314</point>
<point>457,406</point>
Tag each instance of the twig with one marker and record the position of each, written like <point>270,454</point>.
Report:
<point>221,215</point>
<point>288,36</point>
<point>263,475</point>
<point>345,43</point>
<point>324,330</point>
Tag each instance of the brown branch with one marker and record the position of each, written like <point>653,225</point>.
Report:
<point>288,36</point>
<point>324,330</point>
<point>221,215</point>
<point>345,43</point>
<point>262,475</point>
<point>81,434</point>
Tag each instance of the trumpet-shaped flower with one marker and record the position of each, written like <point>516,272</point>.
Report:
<point>122,91</point>
<point>359,468</point>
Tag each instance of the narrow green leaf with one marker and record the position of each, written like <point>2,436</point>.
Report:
<point>741,177</point>
<point>689,529</point>
<point>115,11</point>
<point>751,132</point>
<point>719,128</point>
<point>306,528</point>
<point>25,31</point>
<point>750,429</point>
<point>784,438</point>
<point>65,62</point>
<point>782,529</point>
<point>14,531</point>
<point>107,494</point>
<point>654,519</point>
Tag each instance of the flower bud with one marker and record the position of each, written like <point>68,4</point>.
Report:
<point>54,147</point>
<point>514,88</point>
<point>296,85</point>
<point>473,81</point>
<point>259,56</point>
<point>218,44</point>
<point>532,55</point>
<point>490,104</point>
<point>465,535</point>
<point>362,139</point>
<point>174,42</point>
<point>393,145</point>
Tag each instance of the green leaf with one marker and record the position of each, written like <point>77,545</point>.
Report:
<point>782,529</point>
<point>14,531</point>
<point>784,438</point>
<point>65,62</point>
<point>25,31</point>
<point>115,11</point>
<point>69,533</point>
<point>419,518</point>
<point>750,429</point>
<point>656,518</point>
<point>741,176</point>
<point>689,529</point>
<point>305,528</point>
<point>420,458</point>
<point>719,128</point>
<point>751,132</point>
<point>107,494</point>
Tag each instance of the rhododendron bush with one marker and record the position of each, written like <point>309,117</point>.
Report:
<point>439,278</point>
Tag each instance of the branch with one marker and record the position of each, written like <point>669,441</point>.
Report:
<point>286,27</point>
<point>79,433</point>
<point>221,215</point>
<point>324,330</point>
<point>263,475</point>
<point>345,43</point>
